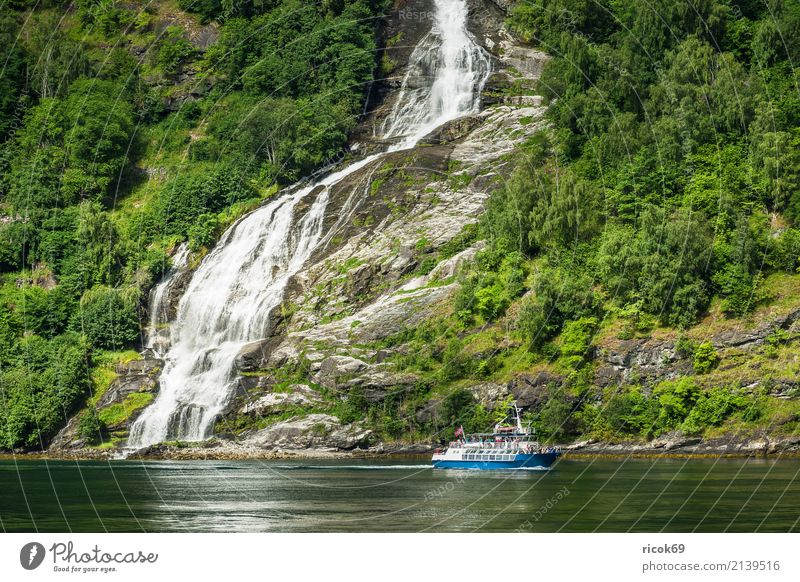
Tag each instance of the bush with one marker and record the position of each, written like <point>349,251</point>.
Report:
<point>576,339</point>
<point>173,50</point>
<point>712,408</point>
<point>630,411</point>
<point>684,346</point>
<point>353,407</point>
<point>705,358</point>
<point>455,363</point>
<point>489,293</point>
<point>90,427</point>
<point>203,232</point>
<point>556,419</point>
<point>675,401</point>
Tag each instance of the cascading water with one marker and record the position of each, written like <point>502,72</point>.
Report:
<point>159,302</point>
<point>233,291</point>
<point>446,73</point>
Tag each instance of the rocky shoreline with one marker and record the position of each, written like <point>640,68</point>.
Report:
<point>666,446</point>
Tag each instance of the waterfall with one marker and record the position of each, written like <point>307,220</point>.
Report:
<point>158,304</point>
<point>446,72</point>
<point>229,298</point>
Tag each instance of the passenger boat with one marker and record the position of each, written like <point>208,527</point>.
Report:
<point>508,447</point>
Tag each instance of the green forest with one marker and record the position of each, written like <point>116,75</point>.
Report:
<point>667,186</point>
<point>227,100</point>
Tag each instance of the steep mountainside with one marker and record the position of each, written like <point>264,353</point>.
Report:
<point>530,250</point>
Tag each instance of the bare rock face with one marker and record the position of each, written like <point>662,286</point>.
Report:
<point>489,394</point>
<point>336,368</point>
<point>533,390</point>
<point>648,361</point>
<point>136,376</point>
<point>68,437</point>
<point>673,440</point>
<point>315,431</point>
<point>296,395</point>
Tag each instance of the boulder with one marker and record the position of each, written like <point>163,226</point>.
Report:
<point>315,431</point>
<point>255,355</point>
<point>335,370</point>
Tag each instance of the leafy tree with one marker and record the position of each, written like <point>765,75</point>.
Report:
<point>12,78</point>
<point>107,318</point>
<point>42,388</point>
<point>55,59</point>
<point>558,296</point>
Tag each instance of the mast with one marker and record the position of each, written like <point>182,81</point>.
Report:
<point>518,419</point>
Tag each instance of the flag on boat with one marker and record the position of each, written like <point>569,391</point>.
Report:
<point>459,431</point>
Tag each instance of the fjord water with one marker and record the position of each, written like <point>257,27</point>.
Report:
<point>672,495</point>
<point>231,295</point>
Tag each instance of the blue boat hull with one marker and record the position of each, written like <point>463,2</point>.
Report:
<point>538,460</point>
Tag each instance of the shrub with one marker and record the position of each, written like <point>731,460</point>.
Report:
<point>555,420</point>
<point>173,50</point>
<point>489,293</point>
<point>90,427</point>
<point>675,401</point>
<point>455,363</point>
<point>203,232</point>
<point>712,408</point>
<point>684,346</point>
<point>630,411</point>
<point>576,339</point>
<point>705,358</point>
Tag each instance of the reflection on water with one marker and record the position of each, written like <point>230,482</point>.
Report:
<point>399,495</point>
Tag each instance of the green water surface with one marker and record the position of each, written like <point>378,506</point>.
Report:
<point>403,495</point>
